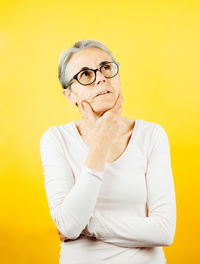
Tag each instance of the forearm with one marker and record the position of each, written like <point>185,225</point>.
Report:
<point>71,199</point>
<point>95,161</point>
<point>72,214</point>
<point>129,231</point>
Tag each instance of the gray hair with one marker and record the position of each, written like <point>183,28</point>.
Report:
<point>78,46</point>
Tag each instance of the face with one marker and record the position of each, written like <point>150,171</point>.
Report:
<point>91,58</point>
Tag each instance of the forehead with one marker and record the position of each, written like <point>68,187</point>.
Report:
<point>88,57</point>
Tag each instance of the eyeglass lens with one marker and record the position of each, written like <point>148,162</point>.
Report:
<point>87,76</point>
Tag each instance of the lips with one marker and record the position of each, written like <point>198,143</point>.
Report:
<point>102,92</point>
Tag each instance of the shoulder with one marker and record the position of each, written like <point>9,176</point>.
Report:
<point>151,127</point>
<point>151,135</point>
<point>55,133</point>
<point>48,134</point>
<point>158,138</point>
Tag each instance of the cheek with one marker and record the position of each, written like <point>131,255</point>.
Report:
<point>115,82</point>
<point>85,95</point>
<point>81,91</point>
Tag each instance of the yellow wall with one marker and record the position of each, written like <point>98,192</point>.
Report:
<point>158,46</point>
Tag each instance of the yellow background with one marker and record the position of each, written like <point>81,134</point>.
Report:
<point>158,46</point>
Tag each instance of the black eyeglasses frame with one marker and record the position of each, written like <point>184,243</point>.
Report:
<point>94,70</point>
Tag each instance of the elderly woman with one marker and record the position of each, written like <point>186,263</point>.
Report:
<point>108,178</point>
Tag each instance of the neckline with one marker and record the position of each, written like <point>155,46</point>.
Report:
<point>124,153</point>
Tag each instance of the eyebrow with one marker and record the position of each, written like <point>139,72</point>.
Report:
<point>101,63</point>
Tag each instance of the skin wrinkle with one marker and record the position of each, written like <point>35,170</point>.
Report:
<point>91,58</point>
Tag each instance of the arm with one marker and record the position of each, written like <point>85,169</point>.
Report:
<point>158,228</point>
<point>71,204</point>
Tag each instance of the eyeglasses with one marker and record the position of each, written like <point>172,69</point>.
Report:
<point>86,77</point>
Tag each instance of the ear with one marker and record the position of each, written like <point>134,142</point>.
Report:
<point>69,95</point>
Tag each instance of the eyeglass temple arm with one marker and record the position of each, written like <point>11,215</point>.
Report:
<point>95,71</point>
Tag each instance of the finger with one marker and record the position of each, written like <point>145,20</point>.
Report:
<point>62,237</point>
<point>116,107</point>
<point>83,112</point>
<point>90,114</point>
<point>118,103</point>
<point>120,110</point>
<point>86,112</point>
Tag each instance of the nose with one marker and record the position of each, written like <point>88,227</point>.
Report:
<point>99,77</point>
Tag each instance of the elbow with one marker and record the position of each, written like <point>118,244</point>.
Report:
<point>168,242</point>
<point>168,231</point>
<point>168,239</point>
<point>71,232</point>
<point>69,229</point>
<point>68,226</point>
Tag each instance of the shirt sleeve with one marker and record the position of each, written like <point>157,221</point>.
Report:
<point>71,203</point>
<point>158,228</point>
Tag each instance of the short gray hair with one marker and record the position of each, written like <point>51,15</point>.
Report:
<point>78,46</point>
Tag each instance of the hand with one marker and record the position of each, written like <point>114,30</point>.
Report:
<point>104,128</point>
<point>62,237</point>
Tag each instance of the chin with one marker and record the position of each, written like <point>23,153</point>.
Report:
<point>102,106</point>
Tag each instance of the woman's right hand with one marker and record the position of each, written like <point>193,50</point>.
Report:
<point>102,130</point>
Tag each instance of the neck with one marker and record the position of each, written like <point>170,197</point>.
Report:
<point>84,125</point>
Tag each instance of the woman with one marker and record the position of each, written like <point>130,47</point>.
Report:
<point>108,178</point>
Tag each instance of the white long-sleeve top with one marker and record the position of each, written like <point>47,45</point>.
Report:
<point>123,214</point>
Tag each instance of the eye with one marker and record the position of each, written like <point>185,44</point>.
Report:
<point>106,67</point>
<point>85,73</point>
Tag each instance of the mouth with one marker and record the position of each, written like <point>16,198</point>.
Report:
<point>103,94</point>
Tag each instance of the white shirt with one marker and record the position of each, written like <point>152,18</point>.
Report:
<point>123,214</point>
